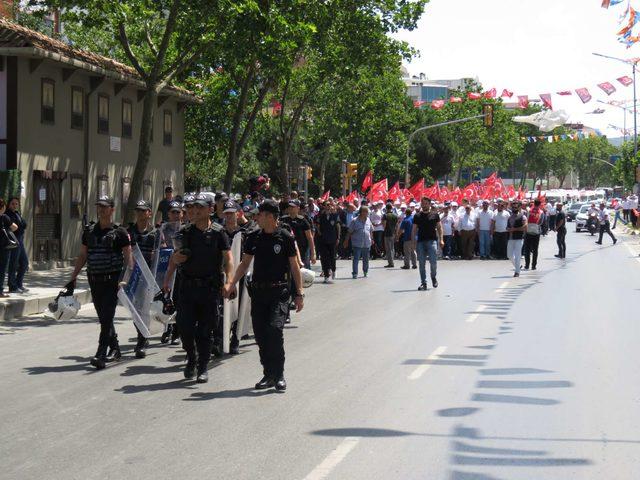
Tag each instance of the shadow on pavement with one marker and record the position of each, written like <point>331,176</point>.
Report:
<point>362,432</point>
<point>81,364</point>
<point>243,392</point>
<point>155,387</point>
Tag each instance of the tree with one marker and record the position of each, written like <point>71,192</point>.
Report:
<point>624,170</point>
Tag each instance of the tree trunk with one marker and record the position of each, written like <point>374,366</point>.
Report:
<point>144,151</point>
<point>561,180</point>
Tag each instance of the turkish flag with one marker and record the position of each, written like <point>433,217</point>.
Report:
<point>474,96</point>
<point>564,93</point>
<point>325,196</point>
<point>352,196</point>
<point>584,94</point>
<point>523,101</point>
<point>455,100</point>
<point>491,179</point>
<point>378,191</point>
<point>507,93</point>
<point>395,192</point>
<point>367,182</point>
<point>490,93</point>
<point>626,81</point>
<point>437,104</point>
<point>468,192</point>
<point>417,189</point>
<point>511,192</point>
<point>546,100</point>
<point>607,87</point>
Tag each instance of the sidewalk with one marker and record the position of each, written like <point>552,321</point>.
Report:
<point>43,286</point>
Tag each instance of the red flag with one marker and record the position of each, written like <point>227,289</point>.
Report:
<point>437,104</point>
<point>474,96</point>
<point>607,87</point>
<point>325,196</point>
<point>511,192</point>
<point>435,192</point>
<point>606,3</point>
<point>584,94</point>
<point>490,93</point>
<point>523,101</point>
<point>406,195</point>
<point>352,196</point>
<point>394,193</point>
<point>417,189</point>
<point>445,194</point>
<point>626,81</point>
<point>491,179</point>
<point>378,191</point>
<point>520,194</point>
<point>564,93</point>
<point>507,93</point>
<point>468,192</point>
<point>546,100</point>
<point>367,182</point>
<point>455,100</point>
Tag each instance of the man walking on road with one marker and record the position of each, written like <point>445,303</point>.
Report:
<point>532,237</point>
<point>361,236</point>
<point>407,241</point>
<point>516,226</point>
<point>603,219</point>
<point>484,221</point>
<point>467,228</point>
<point>428,228</point>
<point>389,221</point>
<point>561,231</point>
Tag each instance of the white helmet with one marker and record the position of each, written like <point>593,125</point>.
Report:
<point>63,308</point>
<point>308,276</point>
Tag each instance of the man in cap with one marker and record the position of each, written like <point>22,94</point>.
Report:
<point>220,199</point>
<point>273,250</point>
<point>106,249</point>
<point>301,229</point>
<point>162,214</point>
<point>428,231</point>
<point>204,253</point>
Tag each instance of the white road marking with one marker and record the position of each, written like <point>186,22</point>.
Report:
<point>502,286</point>
<point>474,316</point>
<point>333,459</point>
<point>418,372</point>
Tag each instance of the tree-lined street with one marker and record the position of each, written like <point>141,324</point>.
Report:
<point>485,377</point>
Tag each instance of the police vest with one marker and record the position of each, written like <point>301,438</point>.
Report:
<point>146,241</point>
<point>209,234</point>
<point>103,255</point>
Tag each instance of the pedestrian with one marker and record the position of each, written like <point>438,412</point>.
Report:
<point>204,251</point>
<point>301,228</point>
<point>551,215</point>
<point>328,238</point>
<point>405,234</point>
<point>484,219</point>
<point>106,250</point>
<point>603,219</point>
<point>147,238</point>
<point>428,231</point>
<point>561,231</point>
<point>378,230</point>
<point>272,249</point>
<point>516,226</point>
<point>467,228</point>
<point>162,213</point>
<point>500,234</point>
<point>389,223</point>
<point>532,235</point>
<point>361,237</point>
<point>448,220</point>
<point>18,258</point>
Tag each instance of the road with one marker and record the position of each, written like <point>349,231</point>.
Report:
<point>487,377</point>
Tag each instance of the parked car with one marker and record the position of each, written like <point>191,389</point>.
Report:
<point>573,210</point>
<point>582,217</point>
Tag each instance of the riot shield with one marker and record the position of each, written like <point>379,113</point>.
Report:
<point>231,306</point>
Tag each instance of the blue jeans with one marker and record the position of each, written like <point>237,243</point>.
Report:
<point>485,242</point>
<point>618,217</point>
<point>357,254</point>
<point>427,248</point>
<point>18,265</point>
<point>448,246</point>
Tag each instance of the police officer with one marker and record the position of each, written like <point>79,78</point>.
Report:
<point>204,250</point>
<point>106,249</point>
<point>301,229</point>
<point>276,260</point>
<point>147,238</point>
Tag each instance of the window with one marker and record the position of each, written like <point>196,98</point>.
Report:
<point>77,108</point>
<point>127,118</point>
<point>103,186</point>
<point>47,112</point>
<point>103,114</point>
<point>166,128</point>
<point>76,196</point>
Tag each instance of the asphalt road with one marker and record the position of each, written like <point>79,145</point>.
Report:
<point>487,377</point>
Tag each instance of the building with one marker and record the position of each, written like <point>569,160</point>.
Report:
<point>423,90</point>
<point>69,130</point>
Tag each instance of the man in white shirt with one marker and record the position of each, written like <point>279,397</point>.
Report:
<point>603,218</point>
<point>467,228</point>
<point>500,234</point>
<point>551,215</point>
<point>378,230</point>
<point>484,221</point>
<point>447,220</point>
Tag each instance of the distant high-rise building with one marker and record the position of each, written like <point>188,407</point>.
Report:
<point>421,89</point>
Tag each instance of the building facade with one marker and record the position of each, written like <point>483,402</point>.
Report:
<point>69,124</point>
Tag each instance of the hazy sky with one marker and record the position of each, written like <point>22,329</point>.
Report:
<point>529,47</point>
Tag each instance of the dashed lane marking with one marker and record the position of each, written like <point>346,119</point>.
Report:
<point>474,316</point>
<point>418,372</point>
<point>333,459</point>
<point>502,286</point>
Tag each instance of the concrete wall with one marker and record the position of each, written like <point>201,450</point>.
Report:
<point>58,147</point>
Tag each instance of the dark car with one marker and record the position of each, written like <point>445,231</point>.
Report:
<point>573,210</point>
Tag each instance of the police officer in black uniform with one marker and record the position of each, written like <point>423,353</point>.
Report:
<point>276,260</point>
<point>302,232</point>
<point>106,249</point>
<point>147,238</point>
<point>204,251</point>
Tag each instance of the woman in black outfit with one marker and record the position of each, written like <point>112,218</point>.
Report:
<point>328,236</point>
<point>18,259</point>
<point>7,225</point>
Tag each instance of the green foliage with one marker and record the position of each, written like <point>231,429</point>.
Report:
<point>624,171</point>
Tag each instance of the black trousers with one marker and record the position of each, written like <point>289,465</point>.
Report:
<point>531,244</point>
<point>328,257</point>
<point>196,318</point>
<point>562,245</point>
<point>604,228</point>
<point>269,310</point>
<point>500,240</point>
<point>105,300</point>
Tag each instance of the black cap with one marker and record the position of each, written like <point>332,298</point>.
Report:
<point>143,205</point>
<point>105,201</point>
<point>175,206</point>
<point>221,196</point>
<point>202,199</point>
<point>270,206</point>
<point>294,203</point>
<point>230,207</point>
<point>189,198</point>
<point>168,188</point>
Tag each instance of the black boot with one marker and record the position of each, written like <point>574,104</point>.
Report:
<point>164,339</point>
<point>100,358</point>
<point>216,347</point>
<point>203,376</point>
<point>190,369</point>
<point>266,382</point>
<point>434,282</point>
<point>234,345</point>
<point>114,354</point>
<point>175,335</point>
<point>141,347</point>
<point>281,384</point>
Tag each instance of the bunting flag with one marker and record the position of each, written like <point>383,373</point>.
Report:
<point>584,94</point>
<point>564,93</point>
<point>557,138</point>
<point>607,87</point>
<point>455,100</point>
<point>625,80</point>
<point>474,96</point>
<point>367,182</point>
<point>546,100</point>
<point>523,101</point>
<point>437,104</point>
<point>507,93</point>
<point>610,3</point>
<point>490,93</point>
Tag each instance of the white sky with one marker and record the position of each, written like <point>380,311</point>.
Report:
<point>529,47</point>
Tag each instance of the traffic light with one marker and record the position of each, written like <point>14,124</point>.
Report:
<point>487,111</point>
<point>352,170</point>
<point>309,173</point>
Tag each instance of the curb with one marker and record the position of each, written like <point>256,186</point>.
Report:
<point>21,307</point>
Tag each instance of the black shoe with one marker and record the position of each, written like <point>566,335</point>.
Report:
<point>516,274</point>
<point>190,370</point>
<point>558,256</point>
<point>533,268</point>
<point>265,383</point>
<point>388,266</point>
<point>434,282</point>
<point>423,287</point>
<point>141,348</point>
<point>526,267</point>
<point>114,354</point>
<point>98,362</point>
<point>414,267</point>
<point>164,339</point>
<point>216,349</point>
<point>405,268</point>
<point>234,346</point>
<point>615,240</point>
<point>203,376</point>
<point>599,243</point>
<point>281,384</point>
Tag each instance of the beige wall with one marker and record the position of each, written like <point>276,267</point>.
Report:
<point>58,147</point>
